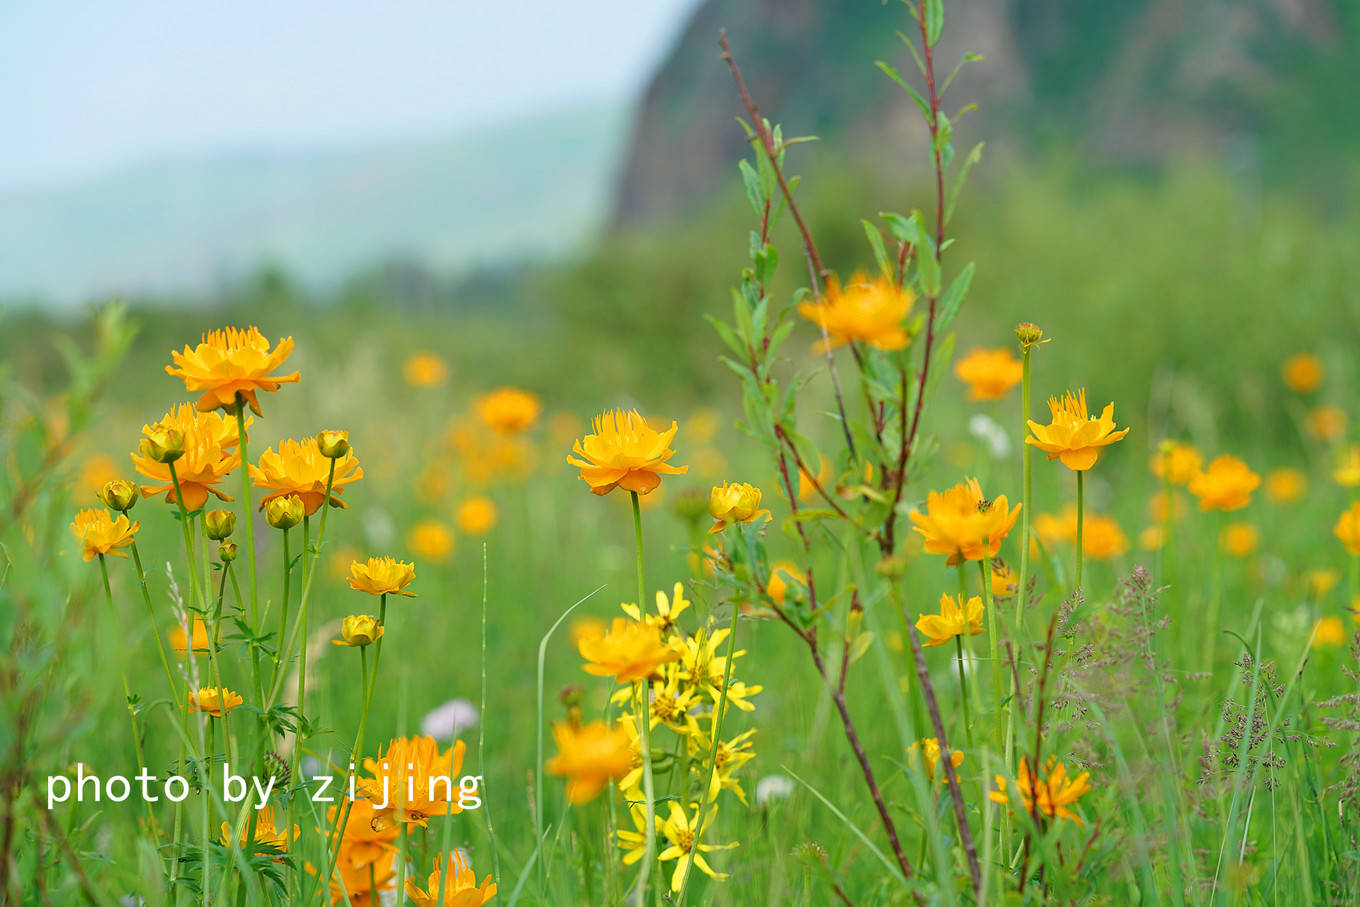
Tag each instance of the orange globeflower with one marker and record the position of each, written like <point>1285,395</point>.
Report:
<point>425,370</point>
<point>1302,373</point>
<point>231,362</point>
<point>1054,792</point>
<point>508,410</point>
<point>1286,485</point>
<point>988,373</point>
<point>738,502</point>
<point>97,472</point>
<point>952,620</point>
<point>414,779</point>
<point>1226,485</point>
<point>476,515</point>
<point>1240,539</point>
<point>209,454</point>
<point>431,540</point>
<point>624,451</point>
<point>460,889</point>
<point>300,468</point>
<point>1073,436</point>
<point>630,651</point>
<point>214,701</point>
<point>101,534</point>
<point>590,755</point>
<point>1176,461</point>
<point>929,748</point>
<point>382,576</point>
<point>864,311</point>
<point>1348,528</point>
<point>1054,529</point>
<point>1102,539</point>
<point>1327,423</point>
<point>963,524</point>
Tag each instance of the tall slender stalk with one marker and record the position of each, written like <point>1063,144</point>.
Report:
<point>249,509</point>
<point>642,696</point>
<point>1081,516</point>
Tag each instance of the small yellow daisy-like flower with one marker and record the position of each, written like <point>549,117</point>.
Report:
<point>209,445</point>
<point>476,515</point>
<point>1073,436</point>
<point>420,781</point>
<point>1286,485</point>
<point>685,844</point>
<point>1226,485</point>
<point>1176,459</point>
<point>738,502</point>
<point>508,410</point>
<point>668,610</point>
<point>989,374</point>
<point>1102,539</point>
<point>629,651</point>
<point>214,701</point>
<point>359,630</point>
<point>1240,539</point>
<point>300,468</point>
<point>624,452</point>
<point>1347,472</point>
<point>964,525</point>
<point>952,620</point>
<point>382,576</point>
<point>865,311</point>
<point>589,756</point>
<point>101,534</point>
<point>1327,423</point>
<point>1328,631</point>
<point>1302,373</point>
<point>1049,795</point>
<point>929,747</point>
<point>460,889</point>
<point>231,362</point>
<point>424,370</point>
<point>431,540</point>
<point>1347,528</point>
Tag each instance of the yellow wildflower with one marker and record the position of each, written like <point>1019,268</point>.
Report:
<point>989,374</point>
<point>476,515</point>
<point>1240,539</point>
<point>929,747</point>
<point>1226,485</point>
<point>359,630</point>
<point>624,451</point>
<point>414,779</point>
<point>680,831</point>
<point>866,311</point>
<point>1327,423</point>
<point>229,363</point>
<point>431,539</point>
<point>1054,792</point>
<point>1073,436</point>
<point>951,621</point>
<point>215,701</point>
<point>301,468</point>
<point>101,534</point>
<point>735,503</point>
<point>382,576</point>
<point>208,442</point>
<point>1286,485</point>
<point>424,370</point>
<point>964,525</point>
<point>589,756</point>
<point>1302,373</point>
<point>460,890</point>
<point>1348,528</point>
<point>508,410</point>
<point>1176,459</point>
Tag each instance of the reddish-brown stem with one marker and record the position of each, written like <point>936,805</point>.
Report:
<point>816,272</point>
<point>951,777</point>
<point>888,537</point>
<point>783,436</point>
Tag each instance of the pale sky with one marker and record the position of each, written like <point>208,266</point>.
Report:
<point>88,86</point>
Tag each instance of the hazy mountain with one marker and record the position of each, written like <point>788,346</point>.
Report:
<point>181,226</point>
<point>1109,81</point>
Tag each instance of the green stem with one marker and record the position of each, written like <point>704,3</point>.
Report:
<point>963,690</point>
<point>1168,522</point>
<point>280,655</point>
<point>1215,595</point>
<point>200,600</point>
<point>155,630</point>
<point>994,655</point>
<point>1081,517</point>
<point>213,662</point>
<point>642,696</point>
<point>249,511</point>
<point>1023,579</point>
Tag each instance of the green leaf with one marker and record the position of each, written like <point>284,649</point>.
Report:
<point>906,86</point>
<point>751,180</point>
<point>927,266</point>
<point>933,10</point>
<point>876,243</point>
<point>726,334</point>
<point>953,297</point>
<point>903,229</point>
<point>966,58</point>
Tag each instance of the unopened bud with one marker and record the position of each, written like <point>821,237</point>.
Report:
<point>1029,334</point>
<point>162,444</point>
<point>226,551</point>
<point>219,524</point>
<point>119,495</point>
<point>333,444</point>
<point>284,512</point>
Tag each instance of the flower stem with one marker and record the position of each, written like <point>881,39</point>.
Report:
<point>1081,516</point>
<point>642,696</point>
<point>963,690</point>
<point>155,630</point>
<point>249,508</point>
<point>1022,589</point>
<point>994,655</point>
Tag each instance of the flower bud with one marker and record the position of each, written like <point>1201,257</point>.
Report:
<point>891,567</point>
<point>284,512</point>
<point>226,551</point>
<point>119,495</point>
<point>220,524</point>
<point>359,630</point>
<point>333,444</point>
<point>737,503</point>
<point>163,444</point>
<point>1029,334</point>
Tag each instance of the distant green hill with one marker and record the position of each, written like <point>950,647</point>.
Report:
<point>190,226</point>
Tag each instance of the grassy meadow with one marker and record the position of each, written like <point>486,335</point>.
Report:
<point>1166,639</point>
